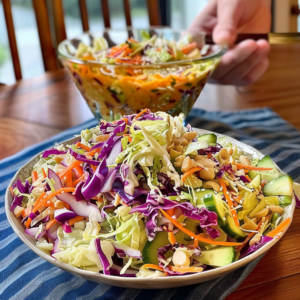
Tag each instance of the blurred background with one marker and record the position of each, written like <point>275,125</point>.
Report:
<point>179,15</point>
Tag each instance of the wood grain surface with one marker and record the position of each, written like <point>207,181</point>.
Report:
<point>33,110</point>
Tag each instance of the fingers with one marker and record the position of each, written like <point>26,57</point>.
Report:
<point>235,57</point>
<point>243,64</point>
<point>229,16</point>
<point>242,69</point>
<point>255,73</point>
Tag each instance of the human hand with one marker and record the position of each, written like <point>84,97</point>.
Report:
<point>246,62</point>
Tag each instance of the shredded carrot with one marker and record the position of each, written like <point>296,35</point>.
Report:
<point>131,40</point>
<point>170,212</point>
<point>44,173</point>
<point>79,170</point>
<point>48,197</point>
<point>63,173</point>
<point>74,220</point>
<point>82,146</point>
<point>237,199</point>
<point>69,179</point>
<point>50,223</point>
<point>200,238</point>
<point>187,49</point>
<point>94,168</point>
<point>280,227</point>
<point>171,237</point>
<point>248,178</point>
<point>11,191</point>
<point>141,113</point>
<point>151,266</point>
<point>34,176</point>
<point>209,155</point>
<point>196,243</point>
<point>250,235</point>
<point>92,152</point>
<point>27,211</point>
<point>27,223</point>
<point>227,197</point>
<point>40,199</point>
<point>75,182</point>
<point>263,183</point>
<point>246,171</point>
<point>189,172</point>
<point>186,269</point>
<point>241,166</point>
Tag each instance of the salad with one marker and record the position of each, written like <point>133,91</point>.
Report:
<point>151,50</point>
<point>127,77</point>
<point>145,196</point>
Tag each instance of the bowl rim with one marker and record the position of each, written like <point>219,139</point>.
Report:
<point>64,55</point>
<point>213,273</point>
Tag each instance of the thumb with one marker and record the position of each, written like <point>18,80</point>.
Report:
<point>228,14</point>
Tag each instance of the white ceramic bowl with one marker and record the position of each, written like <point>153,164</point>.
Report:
<point>127,282</point>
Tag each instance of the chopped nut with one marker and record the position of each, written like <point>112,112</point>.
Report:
<point>179,148</point>
<point>190,135</point>
<point>58,158</point>
<point>261,214</point>
<point>255,239</point>
<point>230,151</point>
<point>207,173</point>
<point>59,204</point>
<point>180,258</point>
<point>234,168</point>
<point>18,211</point>
<point>250,225</point>
<point>204,161</point>
<point>117,200</point>
<point>239,172</point>
<point>245,160</point>
<point>178,161</point>
<point>211,185</point>
<point>276,209</point>
<point>224,153</point>
<point>174,153</point>
<point>254,220</point>
<point>102,138</point>
<point>188,164</point>
<point>169,148</point>
<point>180,141</point>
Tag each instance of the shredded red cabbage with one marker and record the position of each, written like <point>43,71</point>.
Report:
<point>247,251</point>
<point>52,152</point>
<point>102,257</point>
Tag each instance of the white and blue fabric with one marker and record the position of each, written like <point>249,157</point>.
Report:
<point>24,275</point>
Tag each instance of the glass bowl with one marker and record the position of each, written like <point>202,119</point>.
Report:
<point>115,90</point>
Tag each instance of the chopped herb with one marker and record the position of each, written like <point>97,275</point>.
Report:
<point>189,84</point>
<point>154,90</point>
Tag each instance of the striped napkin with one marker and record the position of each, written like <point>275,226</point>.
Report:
<point>24,275</point>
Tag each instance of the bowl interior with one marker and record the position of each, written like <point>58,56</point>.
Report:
<point>146,283</point>
<point>113,90</point>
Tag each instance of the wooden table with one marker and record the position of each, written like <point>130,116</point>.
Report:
<point>33,110</point>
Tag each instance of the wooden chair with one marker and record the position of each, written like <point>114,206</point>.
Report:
<point>47,44</point>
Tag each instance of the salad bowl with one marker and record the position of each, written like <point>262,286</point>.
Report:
<point>161,78</point>
<point>138,282</point>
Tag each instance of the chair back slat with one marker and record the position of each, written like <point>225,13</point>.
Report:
<point>42,20</point>
<point>59,21</point>
<point>84,16</point>
<point>127,12</point>
<point>154,12</point>
<point>105,13</point>
<point>12,39</point>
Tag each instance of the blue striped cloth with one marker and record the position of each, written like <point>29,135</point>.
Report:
<point>23,275</point>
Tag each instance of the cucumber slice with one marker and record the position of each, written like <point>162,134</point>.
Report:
<point>218,257</point>
<point>265,162</point>
<point>255,182</point>
<point>191,225</point>
<point>149,253</point>
<point>214,203</point>
<point>285,200</point>
<point>232,230</point>
<point>282,186</point>
<point>210,138</point>
<point>200,194</point>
